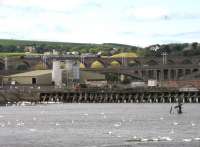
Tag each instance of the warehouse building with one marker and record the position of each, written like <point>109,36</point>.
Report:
<point>92,79</point>
<point>89,75</point>
<point>37,77</point>
<point>44,77</point>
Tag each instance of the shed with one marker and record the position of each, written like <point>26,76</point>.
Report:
<point>90,75</point>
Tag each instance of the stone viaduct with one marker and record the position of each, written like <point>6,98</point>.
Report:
<point>143,68</point>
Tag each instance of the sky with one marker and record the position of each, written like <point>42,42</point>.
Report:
<point>133,22</point>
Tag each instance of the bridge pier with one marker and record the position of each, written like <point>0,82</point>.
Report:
<point>148,98</point>
<point>141,98</point>
<point>135,97</point>
<point>116,98</point>
<point>74,98</point>
<point>56,99</point>
<point>90,98</point>
<point>52,98</point>
<point>190,100</point>
<point>183,99</point>
<point>79,98</point>
<point>71,97</point>
<point>110,98</point>
<point>43,98</point>
<point>95,97</point>
<point>86,97</point>
<point>66,98</point>
<point>197,100</point>
<point>129,98</point>
<point>102,95</point>
<point>156,100</point>
<point>163,100</point>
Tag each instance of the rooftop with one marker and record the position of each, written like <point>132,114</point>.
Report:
<point>31,73</point>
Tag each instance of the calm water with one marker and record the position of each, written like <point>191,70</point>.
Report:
<point>99,125</point>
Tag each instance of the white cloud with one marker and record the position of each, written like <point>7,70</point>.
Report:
<point>148,12</point>
<point>58,5</point>
<point>94,21</point>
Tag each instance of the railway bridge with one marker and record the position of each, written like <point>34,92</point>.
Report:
<point>106,62</point>
<point>172,68</point>
<point>157,72</point>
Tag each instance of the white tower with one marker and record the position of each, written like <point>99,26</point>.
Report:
<point>57,73</point>
<point>76,71</point>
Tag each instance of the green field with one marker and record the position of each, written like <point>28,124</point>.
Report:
<point>6,54</point>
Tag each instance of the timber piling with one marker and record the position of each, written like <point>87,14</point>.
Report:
<point>100,96</point>
<point>129,96</point>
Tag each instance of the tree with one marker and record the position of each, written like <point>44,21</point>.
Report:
<point>94,50</point>
<point>194,45</point>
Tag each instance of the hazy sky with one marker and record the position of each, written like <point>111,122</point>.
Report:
<point>135,22</point>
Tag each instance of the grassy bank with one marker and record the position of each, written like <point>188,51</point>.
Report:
<point>15,54</point>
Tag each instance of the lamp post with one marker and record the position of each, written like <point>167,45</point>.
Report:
<point>164,54</point>
<point>6,63</point>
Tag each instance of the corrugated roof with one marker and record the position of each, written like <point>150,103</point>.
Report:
<point>31,73</point>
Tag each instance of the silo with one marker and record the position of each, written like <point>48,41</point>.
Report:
<point>69,69</point>
<point>72,72</point>
<point>68,65</point>
<point>57,73</point>
<point>76,71</point>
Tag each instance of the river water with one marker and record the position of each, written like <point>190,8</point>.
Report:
<point>99,125</point>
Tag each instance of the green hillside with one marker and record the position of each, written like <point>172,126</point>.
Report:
<point>43,46</point>
<point>107,49</point>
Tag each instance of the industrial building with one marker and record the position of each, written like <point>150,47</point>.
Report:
<point>67,72</point>
<point>64,73</point>
<point>37,77</point>
<point>92,79</point>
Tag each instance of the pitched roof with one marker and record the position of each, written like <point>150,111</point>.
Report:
<point>31,73</point>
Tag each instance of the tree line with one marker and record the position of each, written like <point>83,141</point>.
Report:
<point>177,49</point>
